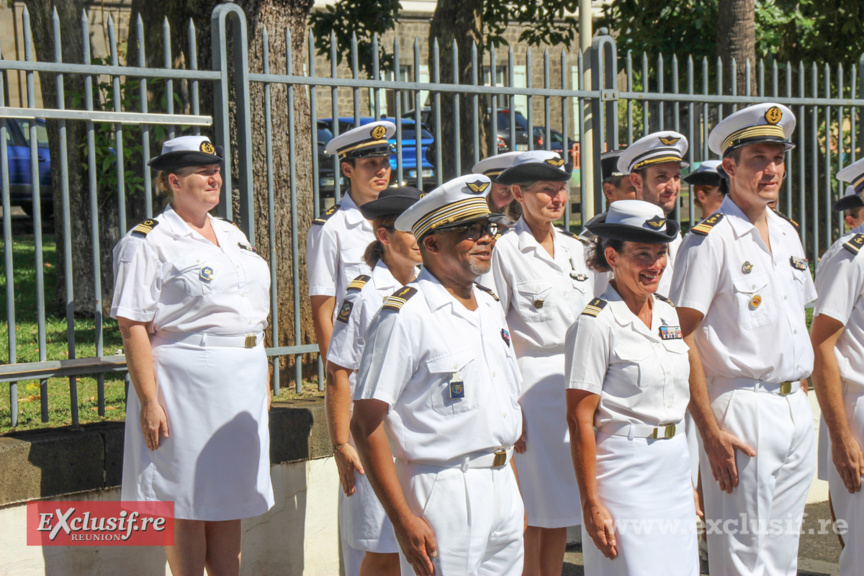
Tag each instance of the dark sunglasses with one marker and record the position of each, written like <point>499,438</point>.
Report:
<point>475,230</point>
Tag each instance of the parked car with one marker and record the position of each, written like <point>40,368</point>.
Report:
<point>326,171</point>
<point>20,178</point>
<point>503,128</point>
<point>556,140</point>
<point>409,149</point>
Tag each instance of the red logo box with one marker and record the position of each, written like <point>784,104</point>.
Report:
<point>76,523</point>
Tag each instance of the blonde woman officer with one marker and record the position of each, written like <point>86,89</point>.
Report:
<point>543,283</point>
<point>191,298</point>
<point>627,378</point>
<point>369,546</point>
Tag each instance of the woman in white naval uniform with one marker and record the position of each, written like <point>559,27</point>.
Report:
<point>543,283</point>
<point>191,298</point>
<point>627,372</point>
<point>369,546</point>
<point>838,373</point>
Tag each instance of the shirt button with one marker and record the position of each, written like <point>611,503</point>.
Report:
<point>794,331</point>
<point>504,414</point>
<point>493,373</point>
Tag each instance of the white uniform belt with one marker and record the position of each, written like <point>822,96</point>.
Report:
<point>495,459</point>
<point>205,339</point>
<point>778,388</point>
<point>631,430</point>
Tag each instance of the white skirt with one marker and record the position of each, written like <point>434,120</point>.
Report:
<point>215,464</point>
<point>363,524</point>
<point>645,485</point>
<point>546,476</point>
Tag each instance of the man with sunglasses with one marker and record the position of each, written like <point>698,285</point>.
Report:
<point>439,378</point>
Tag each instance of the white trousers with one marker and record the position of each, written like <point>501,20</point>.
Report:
<point>756,528</point>
<point>363,526</point>
<point>476,516</point>
<point>850,507</point>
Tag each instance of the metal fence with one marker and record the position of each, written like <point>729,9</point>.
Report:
<point>628,98</point>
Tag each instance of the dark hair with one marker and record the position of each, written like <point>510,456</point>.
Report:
<point>375,250</point>
<point>596,259</point>
<point>615,180</point>
<point>853,212</point>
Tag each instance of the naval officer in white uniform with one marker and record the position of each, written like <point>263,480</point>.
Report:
<point>439,379</point>
<point>838,374</point>
<point>191,298</point>
<point>369,545</point>
<point>654,163</point>
<point>627,370</point>
<point>544,283</point>
<point>338,238</point>
<point>741,283</point>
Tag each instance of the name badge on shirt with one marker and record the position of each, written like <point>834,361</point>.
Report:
<point>505,335</point>
<point>206,274</point>
<point>798,263</point>
<point>457,386</point>
<point>671,333</point>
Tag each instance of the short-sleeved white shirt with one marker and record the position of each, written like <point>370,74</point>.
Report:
<point>752,299</point>
<point>840,283</point>
<point>335,248</point>
<point>542,296</point>
<point>178,281</point>
<point>641,378</point>
<point>355,315</point>
<point>411,357</point>
<point>665,285</point>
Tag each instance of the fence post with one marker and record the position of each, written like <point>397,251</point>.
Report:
<point>860,95</point>
<point>604,116</point>
<point>222,111</point>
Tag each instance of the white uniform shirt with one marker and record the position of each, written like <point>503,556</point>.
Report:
<point>411,357</point>
<point>542,296</point>
<point>754,325</point>
<point>840,282</point>
<point>665,286</point>
<point>355,315</point>
<point>641,378</point>
<point>335,248</point>
<point>178,281</point>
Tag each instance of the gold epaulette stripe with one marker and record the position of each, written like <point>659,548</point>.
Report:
<point>664,299</point>
<point>145,227</point>
<point>396,301</point>
<point>358,283</point>
<point>704,227</point>
<point>488,291</point>
<point>854,244</point>
<point>326,215</point>
<point>594,307</point>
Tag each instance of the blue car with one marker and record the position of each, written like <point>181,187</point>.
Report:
<point>20,177</point>
<point>409,149</point>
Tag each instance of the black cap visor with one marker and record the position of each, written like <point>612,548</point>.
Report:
<point>534,172</point>
<point>185,158</point>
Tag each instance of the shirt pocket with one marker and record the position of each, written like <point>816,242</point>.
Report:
<point>255,271</point>
<point>630,368</point>
<point>187,278</point>
<point>532,299</point>
<point>353,264</point>
<point>753,300</point>
<point>456,366</point>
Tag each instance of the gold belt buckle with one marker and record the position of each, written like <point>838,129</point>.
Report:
<point>668,432</point>
<point>785,388</point>
<point>251,340</point>
<point>500,458</point>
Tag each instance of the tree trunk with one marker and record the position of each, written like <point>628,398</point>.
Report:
<point>736,39</point>
<point>276,16</point>
<point>460,20</point>
<point>86,301</point>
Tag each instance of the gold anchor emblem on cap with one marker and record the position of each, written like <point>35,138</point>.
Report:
<point>747,267</point>
<point>378,132</point>
<point>773,115</point>
<point>207,147</point>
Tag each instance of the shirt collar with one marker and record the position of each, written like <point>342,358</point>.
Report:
<point>624,316</point>
<point>528,242</point>
<point>438,297</point>
<point>352,212</point>
<point>383,278</point>
<point>741,225</point>
<point>178,226</point>
<point>857,230</point>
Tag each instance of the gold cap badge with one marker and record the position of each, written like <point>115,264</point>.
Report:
<point>773,115</point>
<point>207,147</point>
<point>655,223</point>
<point>669,141</point>
<point>478,186</point>
<point>557,162</point>
<point>378,132</point>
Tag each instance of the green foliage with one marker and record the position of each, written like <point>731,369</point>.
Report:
<point>544,21</point>
<point>362,19</point>
<point>807,30</point>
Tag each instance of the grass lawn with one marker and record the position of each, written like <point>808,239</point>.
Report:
<point>27,349</point>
